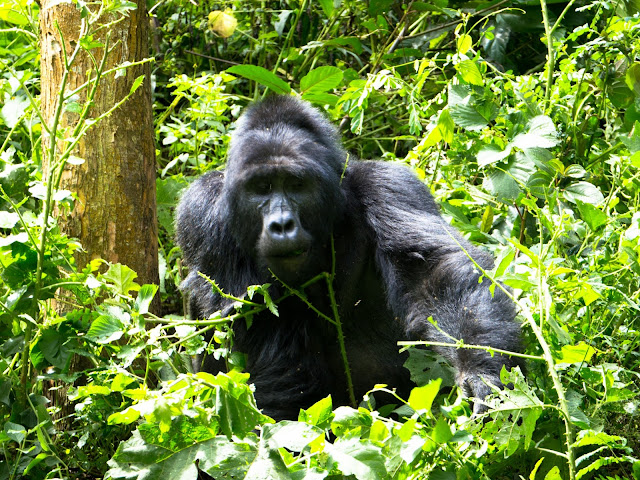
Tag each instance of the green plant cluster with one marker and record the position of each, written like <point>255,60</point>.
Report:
<point>523,119</point>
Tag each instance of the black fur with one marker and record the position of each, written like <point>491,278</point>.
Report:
<point>284,193</point>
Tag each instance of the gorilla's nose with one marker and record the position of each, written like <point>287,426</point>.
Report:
<point>282,226</point>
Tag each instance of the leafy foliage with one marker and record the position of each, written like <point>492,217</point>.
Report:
<point>532,149</point>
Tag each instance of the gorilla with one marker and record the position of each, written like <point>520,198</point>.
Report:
<point>292,204</point>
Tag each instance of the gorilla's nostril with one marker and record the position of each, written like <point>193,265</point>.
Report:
<point>289,226</point>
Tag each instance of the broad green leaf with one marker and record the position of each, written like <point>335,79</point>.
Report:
<point>541,133</point>
<point>15,432</point>
<point>13,109</point>
<point>379,431</point>
<point>446,126</point>
<point>554,474</point>
<point>593,216</point>
<point>11,14</point>
<point>469,72</point>
<point>359,458</point>
<point>353,42</point>
<point>632,78</point>
<point>55,347</point>
<point>421,398</point>
<point>442,431</point>
<point>328,6</point>
<point>293,436</point>
<point>578,418</point>
<point>378,7</point>
<point>470,117</point>
<point>122,278</point>
<point>262,76</point>
<point>125,417</point>
<point>464,43</point>
<point>151,455</point>
<point>320,98</point>
<point>319,414</point>
<point>502,185</point>
<point>425,365</point>
<point>576,353</point>
<point>8,219</point>
<point>88,43</point>
<point>105,329</point>
<point>322,79</point>
<point>585,192</point>
<point>144,298</point>
<point>575,171</point>
<point>492,154</point>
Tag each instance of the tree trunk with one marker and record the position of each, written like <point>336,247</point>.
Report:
<point>114,214</point>
<point>115,211</point>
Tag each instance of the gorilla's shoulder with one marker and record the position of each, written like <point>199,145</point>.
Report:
<point>388,184</point>
<point>196,214</point>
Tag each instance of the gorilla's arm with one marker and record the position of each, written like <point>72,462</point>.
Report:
<point>428,274</point>
<point>203,233</point>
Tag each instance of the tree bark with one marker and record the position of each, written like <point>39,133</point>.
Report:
<point>114,215</point>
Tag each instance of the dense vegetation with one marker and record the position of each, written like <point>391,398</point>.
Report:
<point>522,117</point>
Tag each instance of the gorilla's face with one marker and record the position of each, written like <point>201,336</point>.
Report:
<point>284,193</point>
<point>285,245</point>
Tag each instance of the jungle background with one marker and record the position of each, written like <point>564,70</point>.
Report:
<point>520,116</point>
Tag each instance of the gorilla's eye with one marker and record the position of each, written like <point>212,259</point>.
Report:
<point>297,185</point>
<point>259,186</point>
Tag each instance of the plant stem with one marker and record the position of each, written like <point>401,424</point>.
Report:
<point>338,323</point>
<point>551,60</point>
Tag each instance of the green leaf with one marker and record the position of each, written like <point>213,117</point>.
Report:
<point>55,347</point>
<point>293,436</point>
<point>469,72</point>
<point>320,98</point>
<point>15,432</point>
<point>584,192</point>
<point>262,76</point>
<point>122,278</point>
<point>492,154</point>
<point>322,79</point>
<point>378,7</point>
<point>88,43</point>
<point>8,219</point>
<point>554,474</point>
<point>632,78</point>
<point>328,7</point>
<point>421,398</point>
<point>12,15</point>
<point>125,417</point>
<point>464,43</point>
<point>576,353</point>
<point>442,431</point>
<point>593,216</point>
<point>541,133</point>
<point>356,457</point>
<point>151,454</point>
<point>353,42</point>
<point>136,84</point>
<point>145,296</point>
<point>446,126</point>
<point>105,329</point>
<point>319,414</point>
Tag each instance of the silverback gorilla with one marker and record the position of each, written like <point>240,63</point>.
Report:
<point>285,193</point>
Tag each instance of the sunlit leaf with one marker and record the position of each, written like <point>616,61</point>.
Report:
<point>262,76</point>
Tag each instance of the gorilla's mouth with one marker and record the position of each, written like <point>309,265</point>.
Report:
<point>291,254</point>
<point>287,263</point>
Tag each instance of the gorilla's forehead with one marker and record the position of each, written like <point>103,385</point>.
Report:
<point>279,167</point>
<point>278,147</point>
